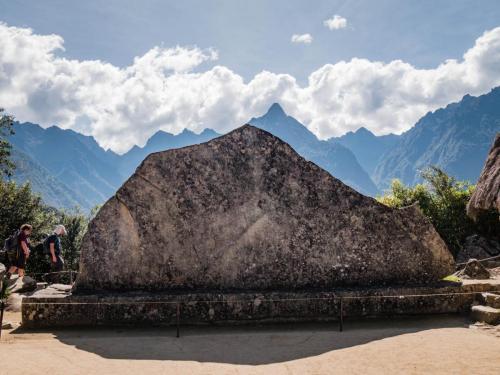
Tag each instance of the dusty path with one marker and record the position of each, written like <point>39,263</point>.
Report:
<point>436,345</point>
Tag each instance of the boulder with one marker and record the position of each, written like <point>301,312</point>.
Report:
<point>486,196</point>
<point>246,212</point>
<point>474,270</point>
<point>478,247</point>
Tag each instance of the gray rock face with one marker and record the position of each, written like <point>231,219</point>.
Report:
<point>487,194</point>
<point>478,247</point>
<point>246,212</point>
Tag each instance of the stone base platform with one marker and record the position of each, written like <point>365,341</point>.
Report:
<point>55,306</point>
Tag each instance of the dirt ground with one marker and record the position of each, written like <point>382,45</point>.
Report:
<point>428,345</point>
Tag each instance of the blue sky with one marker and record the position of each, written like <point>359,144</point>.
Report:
<point>109,68</point>
<point>252,36</point>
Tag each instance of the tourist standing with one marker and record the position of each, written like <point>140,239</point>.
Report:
<point>53,243</point>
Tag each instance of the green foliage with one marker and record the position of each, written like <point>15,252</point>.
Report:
<point>19,205</point>
<point>443,200</point>
<point>6,129</point>
<point>76,226</point>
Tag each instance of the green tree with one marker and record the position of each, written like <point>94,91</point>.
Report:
<point>443,200</point>
<point>76,226</point>
<point>19,205</point>
<point>6,129</point>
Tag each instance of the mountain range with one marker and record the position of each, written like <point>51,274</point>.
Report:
<point>367,147</point>
<point>161,141</point>
<point>456,138</point>
<point>70,169</point>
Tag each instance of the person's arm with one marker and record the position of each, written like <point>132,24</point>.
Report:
<point>25,248</point>
<point>52,252</point>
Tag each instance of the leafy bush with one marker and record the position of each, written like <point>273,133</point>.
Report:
<point>443,200</point>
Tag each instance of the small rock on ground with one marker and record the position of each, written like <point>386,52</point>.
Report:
<point>474,270</point>
<point>7,325</point>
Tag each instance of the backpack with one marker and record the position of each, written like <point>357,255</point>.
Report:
<point>46,246</point>
<point>11,244</point>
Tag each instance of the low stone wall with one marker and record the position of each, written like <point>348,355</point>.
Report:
<point>43,310</point>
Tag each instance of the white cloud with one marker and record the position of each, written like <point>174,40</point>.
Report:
<point>161,90</point>
<point>336,22</point>
<point>302,38</point>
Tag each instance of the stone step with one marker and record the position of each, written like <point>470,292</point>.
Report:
<point>491,300</point>
<point>485,314</point>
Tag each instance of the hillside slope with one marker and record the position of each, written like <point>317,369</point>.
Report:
<point>456,138</point>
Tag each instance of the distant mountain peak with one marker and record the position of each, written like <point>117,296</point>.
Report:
<point>208,131</point>
<point>363,130</point>
<point>334,158</point>
<point>160,134</point>
<point>275,110</point>
<point>186,131</point>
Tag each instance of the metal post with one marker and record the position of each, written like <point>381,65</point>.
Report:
<point>70,277</point>
<point>2,306</point>
<point>341,315</point>
<point>178,319</point>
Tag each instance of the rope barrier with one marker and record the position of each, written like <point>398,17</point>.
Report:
<point>480,260</point>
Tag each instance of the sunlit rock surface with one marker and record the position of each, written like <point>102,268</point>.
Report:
<point>246,212</point>
<point>487,194</point>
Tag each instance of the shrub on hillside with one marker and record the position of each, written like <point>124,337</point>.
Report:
<point>443,200</point>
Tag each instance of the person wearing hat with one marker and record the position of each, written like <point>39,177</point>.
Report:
<point>53,242</point>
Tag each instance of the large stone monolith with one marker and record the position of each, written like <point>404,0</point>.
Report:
<point>246,212</point>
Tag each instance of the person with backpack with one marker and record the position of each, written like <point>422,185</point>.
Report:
<point>53,248</point>
<point>18,250</point>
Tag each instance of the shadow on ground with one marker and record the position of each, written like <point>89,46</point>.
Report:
<point>246,345</point>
